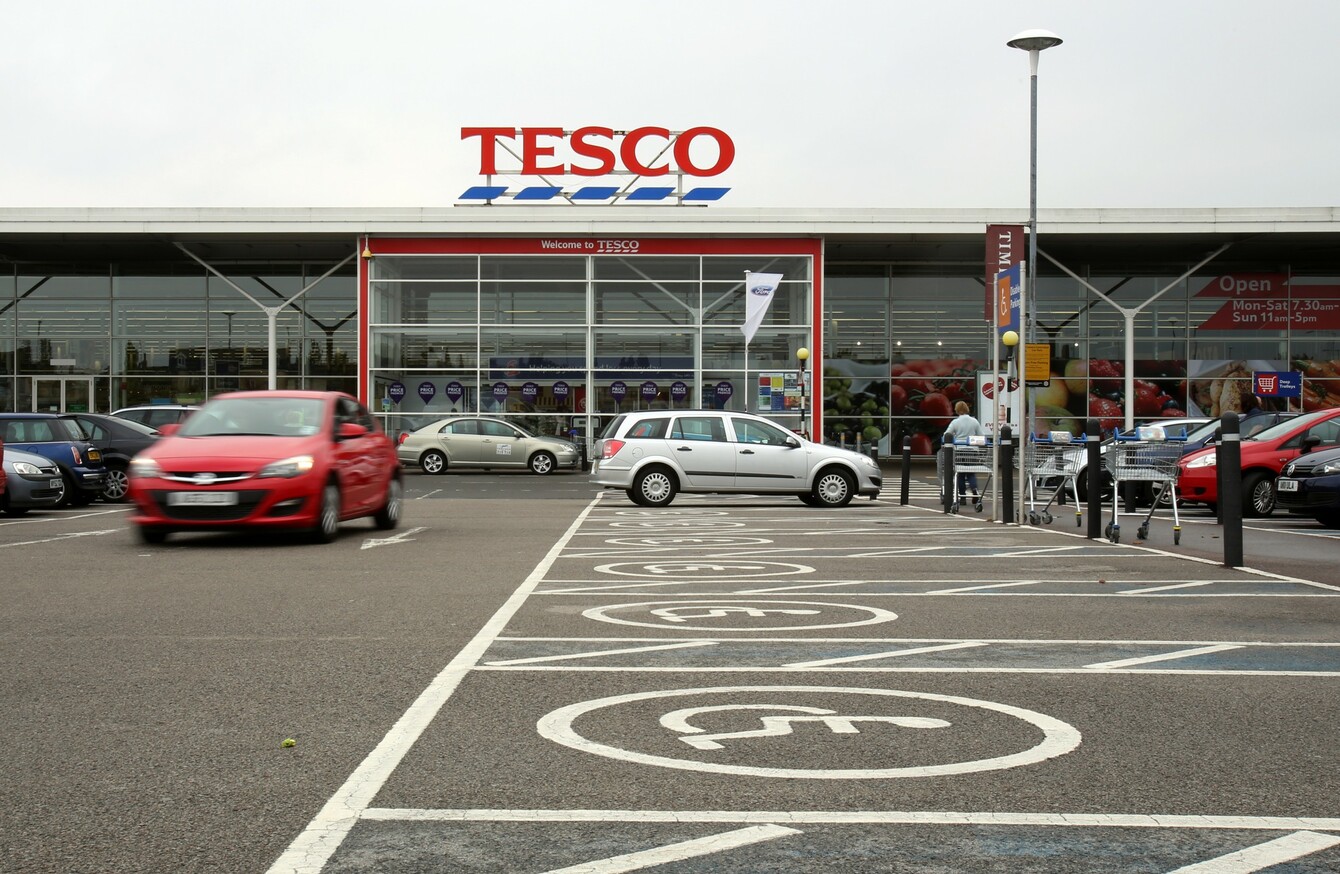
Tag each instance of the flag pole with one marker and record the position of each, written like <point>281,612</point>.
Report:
<point>746,343</point>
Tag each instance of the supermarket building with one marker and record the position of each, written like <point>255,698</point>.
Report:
<point>558,317</point>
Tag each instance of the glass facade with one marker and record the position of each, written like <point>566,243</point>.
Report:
<point>104,335</point>
<point>562,343</point>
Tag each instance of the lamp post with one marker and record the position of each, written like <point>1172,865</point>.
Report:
<point>803,356</point>
<point>1010,340</point>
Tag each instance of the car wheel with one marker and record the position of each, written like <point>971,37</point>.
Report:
<point>74,496</point>
<point>1258,494</point>
<point>810,500</point>
<point>834,488</point>
<point>542,463</point>
<point>654,487</point>
<point>152,536</point>
<point>328,518</point>
<point>388,516</point>
<point>118,483</point>
<point>433,462</point>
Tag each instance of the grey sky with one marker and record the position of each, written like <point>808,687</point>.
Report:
<point>862,103</point>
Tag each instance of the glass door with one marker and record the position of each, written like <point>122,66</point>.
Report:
<point>62,394</point>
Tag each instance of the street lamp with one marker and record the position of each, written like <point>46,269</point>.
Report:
<point>803,355</point>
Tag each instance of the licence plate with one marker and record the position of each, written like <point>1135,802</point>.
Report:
<point>1286,485</point>
<point>202,499</point>
<point>55,483</point>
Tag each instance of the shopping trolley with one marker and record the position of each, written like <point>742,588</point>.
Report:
<point>971,455</point>
<point>1058,458</point>
<point>1149,455</point>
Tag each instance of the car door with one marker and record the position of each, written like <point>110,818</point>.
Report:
<point>500,445</point>
<point>354,456</point>
<point>699,445</point>
<point>767,459</point>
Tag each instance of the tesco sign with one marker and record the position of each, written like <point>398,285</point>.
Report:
<point>598,151</point>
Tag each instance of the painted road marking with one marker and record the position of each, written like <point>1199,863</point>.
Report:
<point>672,612</point>
<point>1058,738</point>
<point>402,537</point>
<point>885,655</point>
<point>700,568</point>
<point>56,537</point>
<point>603,652</point>
<point>683,850</point>
<point>1163,657</point>
<point>987,586</point>
<point>1266,855</point>
<point>1194,585</point>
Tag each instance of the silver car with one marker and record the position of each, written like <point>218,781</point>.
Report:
<point>32,483</point>
<point>655,455</point>
<point>482,442</point>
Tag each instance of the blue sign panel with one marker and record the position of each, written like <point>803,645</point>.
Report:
<point>1277,384</point>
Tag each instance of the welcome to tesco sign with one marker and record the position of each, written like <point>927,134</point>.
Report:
<point>600,151</point>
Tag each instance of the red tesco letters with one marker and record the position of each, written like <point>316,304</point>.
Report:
<point>598,145</point>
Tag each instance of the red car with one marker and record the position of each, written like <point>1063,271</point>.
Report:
<point>268,460</point>
<point>1263,456</point>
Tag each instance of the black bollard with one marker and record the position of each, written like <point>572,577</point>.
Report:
<point>1093,437</point>
<point>907,468</point>
<point>1219,478</point>
<point>1229,454</point>
<point>947,476</point>
<point>1007,475</point>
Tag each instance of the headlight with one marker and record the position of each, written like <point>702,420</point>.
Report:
<point>26,468</point>
<point>288,467</point>
<point>1207,460</point>
<point>1330,467</point>
<point>869,462</point>
<point>145,467</point>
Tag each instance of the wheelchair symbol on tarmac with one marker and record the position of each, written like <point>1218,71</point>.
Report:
<point>765,725</point>
<point>732,615</point>
<point>777,726</point>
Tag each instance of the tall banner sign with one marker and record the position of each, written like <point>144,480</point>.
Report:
<point>758,291</point>
<point>1006,247</point>
<point>1009,294</point>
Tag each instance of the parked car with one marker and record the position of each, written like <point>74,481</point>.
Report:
<point>59,439</point>
<point>118,440</point>
<point>156,415</point>
<point>32,482</point>
<point>1263,456</point>
<point>268,460</point>
<point>1310,485</point>
<point>655,455</point>
<point>483,442</point>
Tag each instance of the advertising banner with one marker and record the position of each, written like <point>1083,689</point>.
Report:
<point>1271,302</point>
<point>1011,402</point>
<point>1005,248</point>
<point>1009,291</point>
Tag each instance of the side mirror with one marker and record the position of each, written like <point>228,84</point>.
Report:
<point>1310,442</point>
<point>792,443</point>
<point>350,430</point>
<point>169,429</point>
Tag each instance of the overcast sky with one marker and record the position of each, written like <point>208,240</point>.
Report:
<point>830,103</point>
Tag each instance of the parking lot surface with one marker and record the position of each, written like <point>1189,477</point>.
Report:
<point>533,676</point>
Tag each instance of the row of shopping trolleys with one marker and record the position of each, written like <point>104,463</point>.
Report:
<point>1148,454</point>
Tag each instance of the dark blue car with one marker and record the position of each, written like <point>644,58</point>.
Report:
<point>60,440</point>
<point>1310,486</point>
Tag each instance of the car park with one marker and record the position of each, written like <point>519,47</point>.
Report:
<point>1310,486</point>
<point>653,456</point>
<point>32,482</point>
<point>58,438</point>
<point>1264,455</point>
<point>1174,426</point>
<point>484,442</point>
<point>156,415</point>
<point>119,440</point>
<point>268,460</point>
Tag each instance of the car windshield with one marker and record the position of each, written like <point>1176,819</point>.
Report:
<point>1201,434</point>
<point>257,417</point>
<point>1288,426</point>
<point>71,428</point>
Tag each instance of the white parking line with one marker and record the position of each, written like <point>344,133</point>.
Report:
<point>884,655</point>
<point>69,536</point>
<point>604,652</point>
<point>1194,585</point>
<point>1163,657</point>
<point>683,850</point>
<point>1266,855</point>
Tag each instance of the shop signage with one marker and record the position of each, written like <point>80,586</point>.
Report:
<point>1271,302</point>
<point>1037,364</point>
<point>724,390</point>
<point>560,391</point>
<point>1275,384</point>
<point>679,391</point>
<point>530,392</point>
<point>618,391</point>
<point>500,390</point>
<point>649,391</point>
<point>454,391</point>
<point>396,391</point>
<point>547,153</point>
<point>426,391</point>
<point>1004,249</point>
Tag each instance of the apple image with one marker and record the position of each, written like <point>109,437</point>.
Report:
<point>1055,395</point>
<point>1077,375</point>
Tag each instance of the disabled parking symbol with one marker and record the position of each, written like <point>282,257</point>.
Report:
<point>764,731</point>
<point>729,615</point>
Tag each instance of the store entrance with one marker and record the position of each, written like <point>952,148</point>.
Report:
<point>62,394</point>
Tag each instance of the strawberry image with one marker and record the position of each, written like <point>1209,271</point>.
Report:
<point>1105,374</point>
<point>1108,413</point>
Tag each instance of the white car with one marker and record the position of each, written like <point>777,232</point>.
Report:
<point>482,442</point>
<point>655,455</point>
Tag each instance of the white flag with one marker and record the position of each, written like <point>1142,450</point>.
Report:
<point>758,291</point>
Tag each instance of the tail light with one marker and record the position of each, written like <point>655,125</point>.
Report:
<point>403,436</point>
<point>610,448</point>
<point>74,450</point>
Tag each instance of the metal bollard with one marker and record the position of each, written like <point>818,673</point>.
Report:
<point>907,469</point>
<point>1093,437</point>
<point>1229,462</point>
<point>947,476</point>
<point>1007,474</point>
